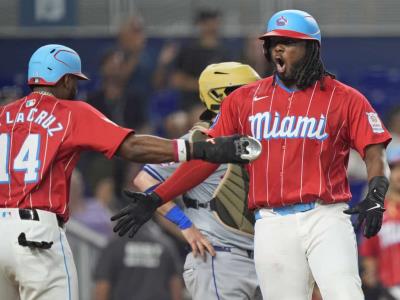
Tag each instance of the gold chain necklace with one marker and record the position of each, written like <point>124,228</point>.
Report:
<point>44,93</point>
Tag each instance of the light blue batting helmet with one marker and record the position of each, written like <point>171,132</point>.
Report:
<point>51,62</point>
<point>294,24</point>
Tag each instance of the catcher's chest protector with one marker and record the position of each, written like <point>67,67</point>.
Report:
<point>229,202</point>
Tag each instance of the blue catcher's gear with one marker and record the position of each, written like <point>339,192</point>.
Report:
<point>294,24</point>
<point>51,62</point>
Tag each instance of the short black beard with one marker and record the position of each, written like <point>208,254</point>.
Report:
<point>290,78</point>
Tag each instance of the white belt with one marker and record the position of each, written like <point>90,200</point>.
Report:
<point>24,215</point>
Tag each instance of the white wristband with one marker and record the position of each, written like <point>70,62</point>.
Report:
<point>181,149</point>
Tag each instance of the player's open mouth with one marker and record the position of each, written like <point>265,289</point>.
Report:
<point>280,65</point>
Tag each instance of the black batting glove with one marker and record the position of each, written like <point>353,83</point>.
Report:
<point>371,208</point>
<point>138,212</point>
<point>227,149</point>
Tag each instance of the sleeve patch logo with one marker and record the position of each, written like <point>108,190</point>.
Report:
<point>375,123</point>
<point>30,103</point>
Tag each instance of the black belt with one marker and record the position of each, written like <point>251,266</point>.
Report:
<point>248,253</point>
<point>32,214</point>
<point>193,203</point>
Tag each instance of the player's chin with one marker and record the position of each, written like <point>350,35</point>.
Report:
<point>285,76</point>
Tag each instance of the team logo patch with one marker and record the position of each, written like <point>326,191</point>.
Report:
<point>281,21</point>
<point>375,123</point>
<point>30,103</point>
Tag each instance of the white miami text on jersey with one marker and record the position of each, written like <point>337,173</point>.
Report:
<point>266,125</point>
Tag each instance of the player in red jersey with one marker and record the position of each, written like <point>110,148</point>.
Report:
<point>381,253</point>
<point>41,137</point>
<point>307,122</point>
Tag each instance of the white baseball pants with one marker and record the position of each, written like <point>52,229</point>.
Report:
<point>31,273</point>
<point>292,251</point>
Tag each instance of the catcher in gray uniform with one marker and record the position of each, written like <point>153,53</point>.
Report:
<point>218,206</point>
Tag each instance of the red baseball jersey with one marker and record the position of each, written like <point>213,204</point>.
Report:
<point>41,138</point>
<point>306,137</point>
<point>385,246</point>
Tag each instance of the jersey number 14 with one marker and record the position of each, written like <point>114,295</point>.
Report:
<point>27,159</point>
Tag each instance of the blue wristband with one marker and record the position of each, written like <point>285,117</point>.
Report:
<point>177,216</point>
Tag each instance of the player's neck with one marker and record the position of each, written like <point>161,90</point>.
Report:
<point>289,85</point>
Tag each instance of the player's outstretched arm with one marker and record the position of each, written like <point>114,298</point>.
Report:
<point>221,149</point>
<point>370,210</point>
<point>152,149</point>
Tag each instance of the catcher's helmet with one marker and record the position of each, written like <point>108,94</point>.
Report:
<point>217,80</point>
<point>51,62</point>
<point>294,24</point>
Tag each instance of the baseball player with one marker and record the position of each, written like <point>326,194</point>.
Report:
<point>217,207</point>
<point>307,121</point>
<point>41,137</point>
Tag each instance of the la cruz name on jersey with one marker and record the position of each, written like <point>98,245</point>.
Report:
<point>41,138</point>
<point>320,126</point>
<point>40,117</point>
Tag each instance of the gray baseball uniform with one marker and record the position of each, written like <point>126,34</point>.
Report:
<point>231,273</point>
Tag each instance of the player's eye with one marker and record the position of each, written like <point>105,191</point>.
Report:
<point>283,41</point>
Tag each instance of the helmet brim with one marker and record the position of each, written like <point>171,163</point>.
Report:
<point>41,81</point>
<point>287,33</point>
<point>81,76</point>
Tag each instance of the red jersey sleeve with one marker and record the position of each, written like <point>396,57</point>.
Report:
<point>186,177</point>
<point>227,120</point>
<point>91,130</point>
<point>370,247</point>
<point>365,127</point>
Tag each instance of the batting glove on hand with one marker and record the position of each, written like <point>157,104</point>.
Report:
<point>227,149</point>
<point>138,212</point>
<point>371,208</point>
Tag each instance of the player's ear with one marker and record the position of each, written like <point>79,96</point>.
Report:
<point>63,82</point>
<point>69,81</point>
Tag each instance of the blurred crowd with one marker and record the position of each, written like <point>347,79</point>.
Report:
<point>160,96</point>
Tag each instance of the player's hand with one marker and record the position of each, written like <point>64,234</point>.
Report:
<point>198,242</point>
<point>227,149</point>
<point>370,210</point>
<point>138,212</point>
